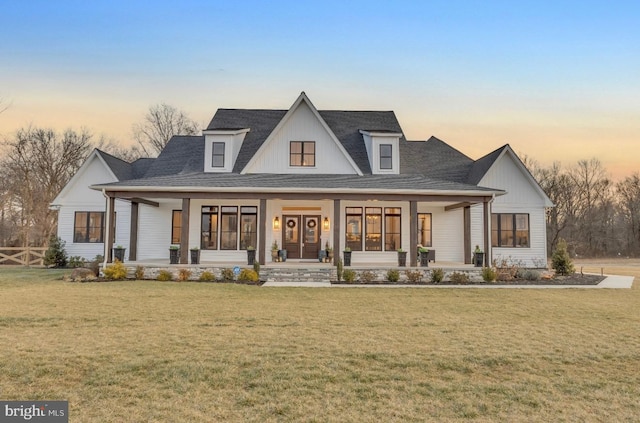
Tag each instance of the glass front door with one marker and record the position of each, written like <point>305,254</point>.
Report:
<point>301,236</point>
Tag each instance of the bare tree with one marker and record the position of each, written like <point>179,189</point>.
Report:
<point>161,122</point>
<point>628,195</point>
<point>3,105</point>
<point>111,146</point>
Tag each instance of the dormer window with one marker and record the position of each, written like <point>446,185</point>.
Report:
<point>217,156</point>
<point>386,156</point>
<point>302,153</point>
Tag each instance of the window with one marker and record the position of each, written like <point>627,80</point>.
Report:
<point>386,161</point>
<point>88,227</point>
<point>302,153</point>
<point>229,228</point>
<point>354,228</point>
<point>217,155</point>
<point>248,227</point>
<point>176,226</point>
<point>392,227</point>
<point>209,240</point>
<point>373,229</point>
<point>509,230</point>
<point>424,229</point>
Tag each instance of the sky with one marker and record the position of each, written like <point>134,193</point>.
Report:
<point>557,80</point>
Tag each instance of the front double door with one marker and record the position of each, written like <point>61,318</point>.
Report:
<point>301,236</point>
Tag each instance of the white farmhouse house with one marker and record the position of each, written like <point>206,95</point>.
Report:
<point>305,178</point>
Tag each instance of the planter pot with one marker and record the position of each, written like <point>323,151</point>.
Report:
<point>402,258</point>
<point>118,254</point>
<point>251,257</point>
<point>282,255</point>
<point>478,259</point>
<point>322,255</point>
<point>424,258</point>
<point>347,258</point>
<point>329,256</point>
<point>195,256</point>
<point>274,255</point>
<point>174,256</point>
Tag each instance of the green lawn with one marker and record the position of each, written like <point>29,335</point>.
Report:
<point>199,352</point>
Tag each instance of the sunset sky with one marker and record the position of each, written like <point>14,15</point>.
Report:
<point>558,80</point>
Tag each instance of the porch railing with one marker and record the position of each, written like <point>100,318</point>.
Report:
<point>22,256</point>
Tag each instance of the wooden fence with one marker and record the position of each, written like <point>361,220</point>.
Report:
<point>24,256</point>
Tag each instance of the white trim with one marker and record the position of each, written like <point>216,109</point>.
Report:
<point>225,131</point>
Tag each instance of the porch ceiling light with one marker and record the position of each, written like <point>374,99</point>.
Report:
<point>325,224</point>
<point>276,223</point>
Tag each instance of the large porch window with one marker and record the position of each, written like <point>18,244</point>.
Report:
<point>229,228</point>
<point>424,229</point>
<point>88,227</point>
<point>176,226</point>
<point>249,227</point>
<point>373,230</point>
<point>223,226</point>
<point>510,230</point>
<point>392,228</point>
<point>376,224</point>
<point>209,239</point>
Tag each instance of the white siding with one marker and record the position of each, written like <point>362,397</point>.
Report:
<point>154,230</point>
<point>477,226</point>
<point>536,254</point>
<point>303,125</point>
<point>447,232</point>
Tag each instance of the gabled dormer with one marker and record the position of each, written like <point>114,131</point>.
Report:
<point>383,150</point>
<point>221,148</point>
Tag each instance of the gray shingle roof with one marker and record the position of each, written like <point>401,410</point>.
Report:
<point>481,166</point>
<point>435,159</point>
<point>183,153</point>
<point>119,167</point>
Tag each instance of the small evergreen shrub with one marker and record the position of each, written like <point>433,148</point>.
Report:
<point>393,275</point>
<point>340,269</point>
<point>115,271</point>
<point>164,275</point>
<point>56,255</point>
<point>184,274</point>
<point>413,276</point>
<point>207,276</point>
<point>489,274</point>
<point>248,275</point>
<point>459,277</point>
<point>226,275</point>
<point>437,275</point>
<point>139,272</point>
<point>349,275</point>
<point>560,260</point>
<point>256,267</point>
<point>76,261</point>
<point>367,276</point>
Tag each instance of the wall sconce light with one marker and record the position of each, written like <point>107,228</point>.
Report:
<point>276,223</point>
<point>325,224</point>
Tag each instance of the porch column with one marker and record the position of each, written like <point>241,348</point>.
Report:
<point>133,232</point>
<point>487,221</point>
<point>413,233</point>
<point>110,232</point>
<point>262,231</point>
<point>336,232</point>
<point>184,232</point>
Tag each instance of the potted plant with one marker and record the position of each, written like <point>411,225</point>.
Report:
<point>174,254</point>
<point>424,256</point>
<point>402,258</point>
<point>195,255</point>
<point>478,257</point>
<point>118,253</point>
<point>328,251</point>
<point>347,256</point>
<point>251,255</point>
<point>274,251</point>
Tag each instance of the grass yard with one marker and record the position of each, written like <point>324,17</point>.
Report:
<point>198,352</point>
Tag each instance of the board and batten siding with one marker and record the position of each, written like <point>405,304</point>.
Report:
<point>447,236</point>
<point>154,230</point>
<point>303,125</point>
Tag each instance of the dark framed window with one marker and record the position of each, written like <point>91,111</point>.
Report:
<point>373,229</point>
<point>424,229</point>
<point>386,156</point>
<point>392,228</point>
<point>353,228</point>
<point>88,227</point>
<point>217,155</point>
<point>248,227</point>
<point>302,153</point>
<point>229,228</point>
<point>510,230</point>
<point>176,226</point>
<point>209,228</point>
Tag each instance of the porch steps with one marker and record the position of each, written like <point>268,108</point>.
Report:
<point>298,275</point>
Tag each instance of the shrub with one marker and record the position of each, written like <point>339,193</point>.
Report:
<point>339,269</point>
<point>139,272</point>
<point>184,274</point>
<point>207,276</point>
<point>507,269</point>
<point>393,275</point>
<point>94,265</point>
<point>413,276</point>
<point>226,275</point>
<point>349,275</point>
<point>164,275</point>
<point>115,271</point>
<point>437,275</point>
<point>76,261</point>
<point>248,275</point>
<point>367,276</point>
<point>560,260</point>
<point>256,267</point>
<point>489,274</point>
<point>459,277</point>
<point>531,275</point>
<point>55,256</point>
